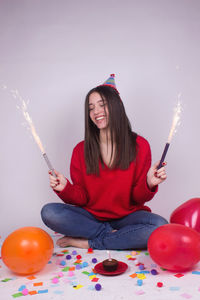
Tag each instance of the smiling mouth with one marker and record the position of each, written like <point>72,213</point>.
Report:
<point>100,118</point>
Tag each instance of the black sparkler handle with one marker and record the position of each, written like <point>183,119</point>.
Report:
<point>163,155</point>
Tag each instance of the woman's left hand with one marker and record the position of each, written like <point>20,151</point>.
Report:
<point>154,176</point>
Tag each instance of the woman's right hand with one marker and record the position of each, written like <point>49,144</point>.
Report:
<point>57,183</point>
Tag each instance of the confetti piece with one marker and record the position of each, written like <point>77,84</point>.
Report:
<point>31,277</point>
<point>65,251</point>
<point>143,272</point>
<point>133,275</point>
<point>141,267</point>
<point>85,264</point>
<point>128,256</point>
<point>78,261</point>
<point>57,292</point>
<point>55,280</point>
<point>154,272</point>
<point>97,287</point>
<point>85,272</point>
<point>65,269</point>
<point>72,268</point>
<point>32,293</point>
<point>131,258</point>
<point>25,292</point>
<point>74,252</point>
<point>21,288</point>
<point>90,250</point>
<point>38,284</point>
<point>43,291</point>
<point>196,272</point>
<point>77,286</point>
<point>133,253</point>
<point>60,274</point>
<point>179,275</point>
<point>159,284</point>
<point>17,295</point>
<point>6,279</point>
<point>70,273</point>
<point>139,282</point>
<point>63,263</point>
<point>92,276</point>
<point>174,288</point>
<point>141,276</point>
<point>78,267</point>
<point>139,292</point>
<point>95,279</point>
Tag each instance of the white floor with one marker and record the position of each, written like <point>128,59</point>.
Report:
<point>77,285</point>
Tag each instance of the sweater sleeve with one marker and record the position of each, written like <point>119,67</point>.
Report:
<point>141,192</point>
<point>75,193</point>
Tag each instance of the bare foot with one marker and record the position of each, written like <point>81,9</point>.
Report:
<point>72,241</point>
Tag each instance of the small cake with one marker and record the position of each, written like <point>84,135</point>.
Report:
<point>110,265</point>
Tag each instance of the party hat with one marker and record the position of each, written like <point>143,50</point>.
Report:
<point>111,82</point>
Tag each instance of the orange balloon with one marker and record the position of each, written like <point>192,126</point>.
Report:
<point>27,250</point>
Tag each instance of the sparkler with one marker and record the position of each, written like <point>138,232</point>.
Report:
<point>175,123</point>
<point>23,108</point>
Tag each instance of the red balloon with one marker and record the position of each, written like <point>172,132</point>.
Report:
<point>175,247</point>
<point>188,214</point>
<point>27,250</point>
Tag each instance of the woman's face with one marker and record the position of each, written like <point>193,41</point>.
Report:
<point>98,110</point>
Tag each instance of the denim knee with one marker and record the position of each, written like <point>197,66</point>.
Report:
<point>46,212</point>
<point>161,221</point>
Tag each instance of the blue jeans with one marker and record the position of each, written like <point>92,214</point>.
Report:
<point>132,232</point>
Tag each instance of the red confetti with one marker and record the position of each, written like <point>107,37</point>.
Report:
<point>90,250</point>
<point>95,279</point>
<point>159,284</point>
<point>78,256</point>
<point>179,275</point>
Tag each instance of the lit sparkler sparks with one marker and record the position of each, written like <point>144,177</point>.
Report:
<point>23,108</point>
<point>175,123</point>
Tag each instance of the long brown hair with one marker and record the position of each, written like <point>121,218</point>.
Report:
<point>120,129</point>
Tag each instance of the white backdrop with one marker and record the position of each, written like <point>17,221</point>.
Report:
<point>54,51</point>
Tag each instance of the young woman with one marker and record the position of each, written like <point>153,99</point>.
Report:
<point>112,178</point>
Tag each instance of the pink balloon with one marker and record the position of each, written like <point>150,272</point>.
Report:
<point>175,247</point>
<point>188,214</point>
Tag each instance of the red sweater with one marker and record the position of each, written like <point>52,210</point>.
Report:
<point>114,193</point>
